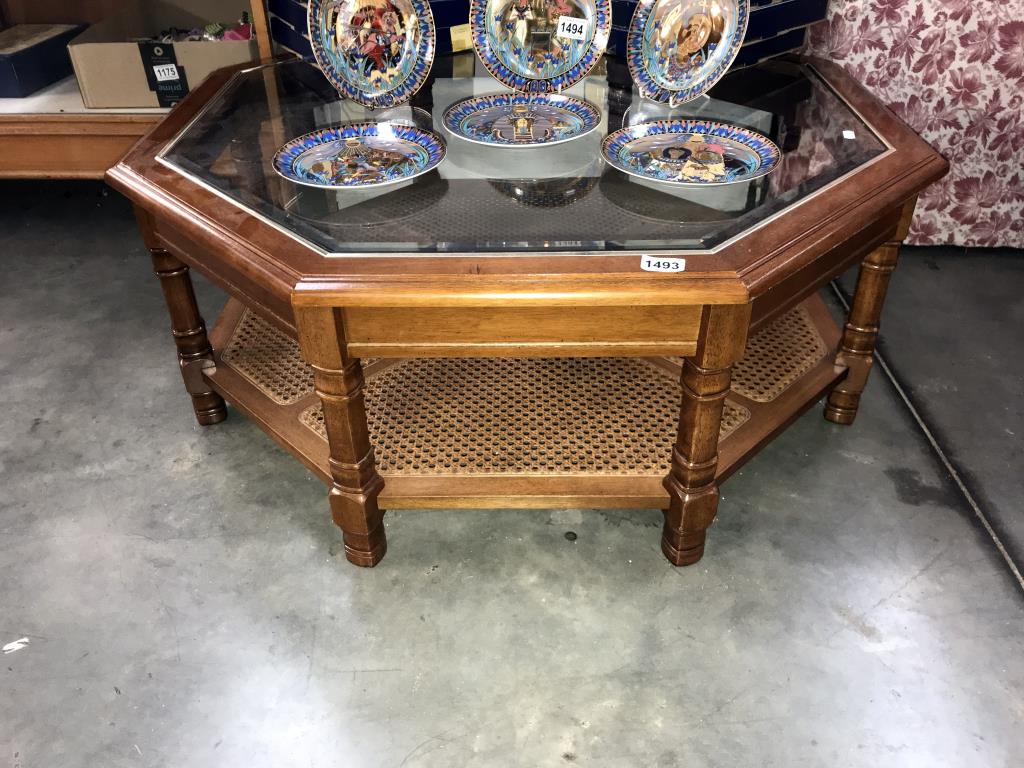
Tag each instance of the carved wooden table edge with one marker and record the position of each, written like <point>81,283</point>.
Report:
<point>704,329</point>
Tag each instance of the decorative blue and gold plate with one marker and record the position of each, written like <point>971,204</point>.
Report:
<point>696,153</point>
<point>521,119</point>
<point>540,46</point>
<point>678,49</point>
<point>375,52</point>
<point>359,155</point>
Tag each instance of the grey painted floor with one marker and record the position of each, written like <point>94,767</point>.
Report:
<point>953,333</point>
<point>187,604</point>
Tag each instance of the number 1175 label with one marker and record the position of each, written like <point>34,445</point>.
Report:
<point>165,72</point>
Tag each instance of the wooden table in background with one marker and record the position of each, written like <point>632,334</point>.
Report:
<point>52,134</point>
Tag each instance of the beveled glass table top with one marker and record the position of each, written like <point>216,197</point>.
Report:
<point>560,198</point>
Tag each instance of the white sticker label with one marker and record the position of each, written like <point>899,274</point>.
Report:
<point>849,134</point>
<point>652,264</point>
<point>573,28</point>
<point>166,72</point>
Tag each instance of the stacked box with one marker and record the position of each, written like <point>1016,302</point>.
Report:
<point>288,26</point>
<point>119,65</point>
<point>775,26</point>
<point>33,56</point>
<point>290,30</point>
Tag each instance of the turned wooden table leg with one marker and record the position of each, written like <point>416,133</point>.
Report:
<point>189,330</point>
<point>691,481</point>
<point>338,380</point>
<point>856,350</point>
<point>187,326</point>
<point>693,491</point>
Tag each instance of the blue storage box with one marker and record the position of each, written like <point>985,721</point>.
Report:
<point>289,30</point>
<point>774,26</point>
<point>33,56</point>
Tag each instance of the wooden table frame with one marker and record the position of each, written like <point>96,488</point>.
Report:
<point>342,310</point>
<point>83,144</point>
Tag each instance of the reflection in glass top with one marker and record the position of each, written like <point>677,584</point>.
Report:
<point>485,198</point>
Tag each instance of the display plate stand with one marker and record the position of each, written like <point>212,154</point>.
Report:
<point>525,433</point>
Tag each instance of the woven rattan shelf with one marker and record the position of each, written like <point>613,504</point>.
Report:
<point>550,431</point>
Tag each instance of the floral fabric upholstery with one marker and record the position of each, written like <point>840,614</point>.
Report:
<point>954,71</point>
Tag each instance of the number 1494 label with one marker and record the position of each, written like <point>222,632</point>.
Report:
<point>649,264</point>
<point>573,28</point>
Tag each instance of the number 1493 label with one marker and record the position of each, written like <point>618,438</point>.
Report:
<point>572,28</point>
<point>650,264</point>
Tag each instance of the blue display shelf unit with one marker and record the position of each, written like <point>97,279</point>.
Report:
<point>775,27</point>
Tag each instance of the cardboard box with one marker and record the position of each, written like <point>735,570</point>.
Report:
<point>114,70</point>
<point>33,56</point>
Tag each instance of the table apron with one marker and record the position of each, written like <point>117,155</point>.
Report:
<point>774,297</point>
<point>560,331</point>
<point>266,292</point>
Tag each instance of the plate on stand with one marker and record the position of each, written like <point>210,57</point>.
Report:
<point>695,153</point>
<point>359,155</point>
<point>521,119</point>
<point>540,46</point>
<point>678,49</point>
<point>375,52</point>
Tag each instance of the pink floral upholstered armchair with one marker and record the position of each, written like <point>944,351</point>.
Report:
<point>954,70</point>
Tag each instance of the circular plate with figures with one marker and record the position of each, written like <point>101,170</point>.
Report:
<point>359,155</point>
<point>678,49</point>
<point>521,119</point>
<point>540,46</point>
<point>696,153</point>
<point>375,52</point>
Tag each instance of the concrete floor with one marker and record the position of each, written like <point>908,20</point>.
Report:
<point>953,335</point>
<point>187,603</point>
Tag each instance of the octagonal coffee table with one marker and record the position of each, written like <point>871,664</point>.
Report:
<point>490,334</point>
